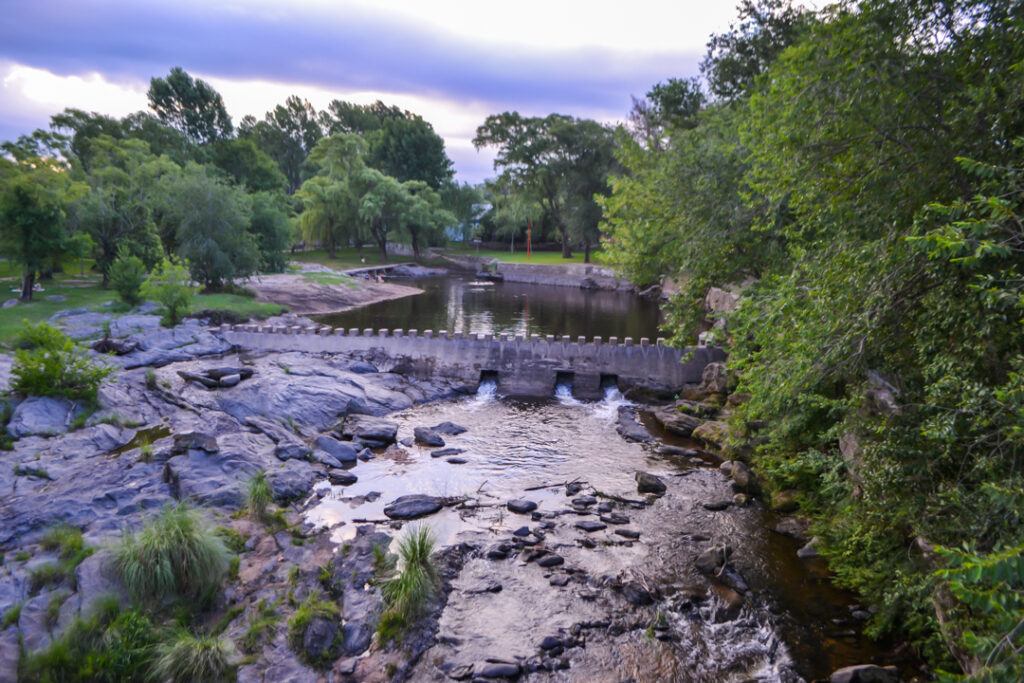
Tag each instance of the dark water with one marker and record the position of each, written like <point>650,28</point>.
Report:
<point>462,304</point>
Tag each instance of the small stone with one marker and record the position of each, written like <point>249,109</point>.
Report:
<point>522,531</point>
<point>496,552</point>
<point>584,501</point>
<point>604,507</point>
<point>739,499</point>
<point>428,437</point>
<point>407,442</point>
<point>636,594</point>
<point>229,380</point>
<point>456,461</point>
<point>550,560</point>
<point>648,483</point>
<point>559,581</point>
<point>572,488</point>
<point>500,670</point>
<point>195,440</point>
<point>627,533</point>
<point>522,506</point>
<point>715,506</point>
<point>615,518</point>
<point>341,477</point>
<point>413,507</point>
<point>590,526</point>
<point>445,452</point>
<point>550,643</point>
<point>587,542</point>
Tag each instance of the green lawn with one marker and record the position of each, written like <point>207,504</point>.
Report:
<point>85,292</point>
<point>346,259</point>
<point>541,257</point>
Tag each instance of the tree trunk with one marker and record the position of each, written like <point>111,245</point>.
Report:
<point>566,251</point>
<point>586,252</point>
<point>28,281</point>
<point>330,247</point>
<point>415,244</point>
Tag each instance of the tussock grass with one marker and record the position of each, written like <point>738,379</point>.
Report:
<point>182,656</point>
<point>406,591</point>
<point>175,555</point>
<point>314,607</point>
<point>258,495</point>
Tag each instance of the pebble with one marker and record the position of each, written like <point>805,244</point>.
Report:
<point>560,580</point>
<point>501,670</point>
<point>615,518</point>
<point>717,505</point>
<point>584,501</point>
<point>522,506</point>
<point>628,533</point>
<point>456,461</point>
<point>521,531</point>
<point>590,526</point>
<point>550,560</point>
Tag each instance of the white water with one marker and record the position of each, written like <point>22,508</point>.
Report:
<point>608,408</point>
<point>563,394</point>
<point>486,393</point>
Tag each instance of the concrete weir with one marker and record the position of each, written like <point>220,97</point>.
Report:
<point>522,367</point>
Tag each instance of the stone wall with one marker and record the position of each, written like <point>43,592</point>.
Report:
<point>522,367</point>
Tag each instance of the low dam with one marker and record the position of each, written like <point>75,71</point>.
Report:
<point>520,366</point>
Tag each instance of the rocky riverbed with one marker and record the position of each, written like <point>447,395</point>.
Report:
<point>577,541</point>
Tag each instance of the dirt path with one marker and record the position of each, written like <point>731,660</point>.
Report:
<point>315,292</point>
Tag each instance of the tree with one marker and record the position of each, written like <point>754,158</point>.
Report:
<point>559,161</point>
<point>126,183</point>
<point>34,196</point>
<point>287,134</point>
<point>211,220</point>
<point>407,148</point>
<point>248,165</point>
<point>425,219</point>
<point>189,105</point>
<point>384,205</point>
<point>272,228</point>
<point>671,105</point>
<point>463,201</point>
<point>127,273</point>
<point>330,199</point>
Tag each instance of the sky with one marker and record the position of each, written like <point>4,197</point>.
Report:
<point>452,62</point>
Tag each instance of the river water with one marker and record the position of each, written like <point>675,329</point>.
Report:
<point>464,304</point>
<point>792,624</point>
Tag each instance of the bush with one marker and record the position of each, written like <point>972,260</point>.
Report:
<point>171,286</point>
<point>127,273</point>
<point>48,363</point>
<point>175,555</point>
<point>186,657</point>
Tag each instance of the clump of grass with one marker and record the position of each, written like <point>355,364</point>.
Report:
<point>29,471</point>
<point>183,656</point>
<point>53,607</point>
<point>11,616</point>
<point>233,540</point>
<point>261,626</point>
<point>314,607</point>
<point>258,495</point>
<point>175,555</point>
<point>66,538</point>
<point>406,591</point>
<point>150,379</point>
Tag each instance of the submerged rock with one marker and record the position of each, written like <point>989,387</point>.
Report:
<point>522,506</point>
<point>413,507</point>
<point>448,429</point>
<point>648,483</point>
<point>428,437</point>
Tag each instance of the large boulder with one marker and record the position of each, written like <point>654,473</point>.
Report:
<point>428,437</point>
<point>713,434</point>
<point>342,451</point>
<point>413,507</point>
<point>292,480</point>
<point>42,415</point>
<point>676,421</point>
<point>714,379</point>
<point>370,430</point>
<point>648,483</point>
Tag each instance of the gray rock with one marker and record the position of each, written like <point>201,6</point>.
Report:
<point>288,444</point>
<point>130,324</point>
<point>343,451</point>
<point>648,483</point>
<point>865,673</point>
<point>229,380</point>
<point>550,643</point>
<point>456,461</point>
<point>628,427</point>
<point>677,422</point>
<point>711,560</point>
<point>635,594</point>
<point>351,573</point>
<point>448,429</point>
<point>361,368</point>
<point>614,518</point>
<point>810,550</point>
<point>428,437</point>
<point>627,533</point>
<point>194,440</point>
<point>368,428</point>
<point>741,475</point>
<point>10,653</point>
<point>10,303</point>
<point>413,507</point>
<point>590,526</point>
<point>341,477</point>
<point>294,449</point>
<point>499,670</point>
<point>445,452</point>
<point>292,480</point>
<point>95,579</point>
<point>550,560</point>
<point>58,298</point>
<point>717,505</point>
<point>42,415</point>
<point>522,506</point>
<point>322,640</point>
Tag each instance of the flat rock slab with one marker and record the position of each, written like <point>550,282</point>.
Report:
<point>590,525</point>
<point>501,670</point>
<point>370,429</point>
<point>614,518</point>
<point>41,415</point>
<point>413,507</point>
<point>522,506</point>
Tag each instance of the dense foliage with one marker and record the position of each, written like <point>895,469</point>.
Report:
<point>859,169</point>
<point>48,363</point>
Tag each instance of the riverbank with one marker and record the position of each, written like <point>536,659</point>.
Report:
<point>581,275</point>
<point>559,561</point>
<point>318,290</point>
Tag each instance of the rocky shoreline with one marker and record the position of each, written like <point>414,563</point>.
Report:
<point>187,418</point>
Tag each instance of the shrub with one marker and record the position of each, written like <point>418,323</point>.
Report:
<point>127,273</point>
<point>48,363</point>
<point>175,555</point>
<point>171,286</point>
<point>183,656</point>
<point>405,592</point>
<point>258,495</point>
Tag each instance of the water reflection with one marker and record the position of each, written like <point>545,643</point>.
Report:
<point>462,304</point>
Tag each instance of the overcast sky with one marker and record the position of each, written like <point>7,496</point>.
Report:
<point>453,62</point>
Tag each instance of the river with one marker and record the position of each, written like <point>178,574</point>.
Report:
<point>787,623</point>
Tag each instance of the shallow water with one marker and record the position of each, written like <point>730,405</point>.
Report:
<point>793,624</point>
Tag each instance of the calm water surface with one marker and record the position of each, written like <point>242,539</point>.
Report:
<point>463,304</point>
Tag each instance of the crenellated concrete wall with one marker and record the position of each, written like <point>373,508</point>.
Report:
<point>522,367</point>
